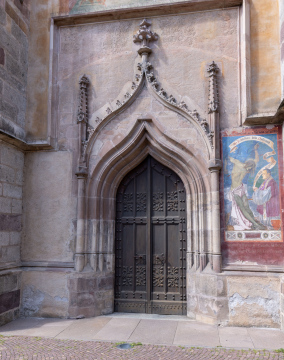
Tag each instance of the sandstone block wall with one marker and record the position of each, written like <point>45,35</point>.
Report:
<point>11,182</point>
<point>10,282</point>
<point>14,31</point>
<point>240,299</point>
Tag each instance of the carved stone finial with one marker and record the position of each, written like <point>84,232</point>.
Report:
<point>213,88</point>
<point>84,81</point>
<point>144,35</point>
<point>83,101</point>
<point>213,69</point>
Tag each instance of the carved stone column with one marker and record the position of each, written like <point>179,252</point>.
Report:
<point>215,166</point>
<point>215,209</point>
<point>80,241</point>
<point>82,173</point>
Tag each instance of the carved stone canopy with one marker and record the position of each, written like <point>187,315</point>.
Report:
<point>146,75</point>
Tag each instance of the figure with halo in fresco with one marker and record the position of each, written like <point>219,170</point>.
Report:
<point>242,217</point>
<point>267,199</point>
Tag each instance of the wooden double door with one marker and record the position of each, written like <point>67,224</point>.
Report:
<point>150,241</point>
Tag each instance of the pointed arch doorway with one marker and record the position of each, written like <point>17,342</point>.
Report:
<point>150,241</point>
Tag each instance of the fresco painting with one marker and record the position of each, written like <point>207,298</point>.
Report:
<point>85,6</point>
<point>251,180</point>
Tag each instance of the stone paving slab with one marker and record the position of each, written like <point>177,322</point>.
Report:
<point>36,348</point>
<point>154,332</point>
<point>85,329</point>
<point>148,329</point>
<point>35,327</point>
<point>117,330</point>
<point>196,334</point>
<point>266,338</point>
<point>235,337</point>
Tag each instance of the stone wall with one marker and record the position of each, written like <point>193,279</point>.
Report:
<point>240,299</point>
<point>14,28</point>
<point>49,209</point>
<point>45,293</point>
<point>14,32</point>
<point>265,54</point>
<point>10,283</point>
<point>11,182</point>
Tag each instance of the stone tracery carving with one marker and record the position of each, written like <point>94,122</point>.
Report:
<point>144,36</point>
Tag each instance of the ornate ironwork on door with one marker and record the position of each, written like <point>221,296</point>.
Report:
<point>150,241</point>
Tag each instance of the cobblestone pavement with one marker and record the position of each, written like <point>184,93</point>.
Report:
<point>22,348</point>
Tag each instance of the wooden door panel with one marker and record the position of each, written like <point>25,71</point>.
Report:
<point>150,241</point>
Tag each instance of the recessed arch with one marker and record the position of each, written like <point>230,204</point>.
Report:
<point>144,139</point>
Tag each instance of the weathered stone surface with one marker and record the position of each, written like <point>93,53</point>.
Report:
<point>8,110</point>
<point>16,69</point>
<point>9,301</point>
<point>12,157</point>
<point>44,294</point>
<point>11,163</point>
<point>264,64</point>
<point>12,191</point>
<point>5,205</point>
<point>15,238</point>
<point>10,254</point>
<point>2,56</point>
<point>9,43</point>
<point>19,35</point>
<point>7,174</point>
<point>9,316</point>
<point>2,16</point>
<point>49,208</point>
<point>10,222</point>
<point>4,238</point>
<point>17,206</point>
<point>9,282</point>
<point>11,80</point>
<point>254,301</point>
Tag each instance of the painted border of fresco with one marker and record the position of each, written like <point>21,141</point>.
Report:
<point>240,145</point>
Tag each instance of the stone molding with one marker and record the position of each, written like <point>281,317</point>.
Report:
<point>144,138</point>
